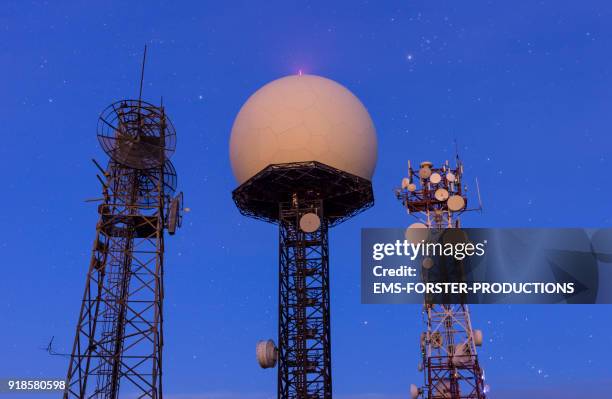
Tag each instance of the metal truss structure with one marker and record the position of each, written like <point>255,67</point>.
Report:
<point>290,194</point>
<point>448,345</point>
<point>344,195</point>
<point>119,335</point>
<point>304,369</point>
<point>449,354</point>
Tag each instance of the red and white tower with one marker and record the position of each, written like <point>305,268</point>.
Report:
<point>436,197</point>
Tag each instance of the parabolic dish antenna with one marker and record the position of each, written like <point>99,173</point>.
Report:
<point>266,353</point>
<point>414,391</point>
<point>462,356</point>
<point>427,263</point>
<point>416,233</point>
<point>424,172</point>
<point>405,183</point>
<point>412,187</point>
<point>435,178</point>
<point>450,177</point>
<point>149,179</point>
<point>136,134</point>
<point>441,194</point>
<point>456,203</point>
<point>477,334</point>
<point>310,222</point>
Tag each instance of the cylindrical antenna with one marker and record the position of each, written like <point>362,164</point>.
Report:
<point>409,171</point>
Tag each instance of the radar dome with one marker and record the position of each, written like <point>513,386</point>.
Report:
<point>302,118</point>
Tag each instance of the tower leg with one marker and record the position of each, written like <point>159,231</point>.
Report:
<point>304,358</point>
<point>118,343</point>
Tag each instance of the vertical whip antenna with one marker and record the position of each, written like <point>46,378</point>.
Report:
<point>457,160</point>
<point>144,60</point>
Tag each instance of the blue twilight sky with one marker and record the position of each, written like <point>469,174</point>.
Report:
<point>525,86</point>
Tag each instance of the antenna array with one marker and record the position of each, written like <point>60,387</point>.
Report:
<point>436,197</point>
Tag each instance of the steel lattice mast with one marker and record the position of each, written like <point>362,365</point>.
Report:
<point>304,199</point>
<point>448,345</point>
<point>119,335</point>
<point>305,350</point>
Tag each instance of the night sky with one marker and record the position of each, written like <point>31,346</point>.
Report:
<point>524,86</point>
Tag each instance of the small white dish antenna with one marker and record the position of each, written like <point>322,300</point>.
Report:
<point>441,194</point>
<point>414,391</point>
<point>462,356</point>
<point>450,177</point>
<point>267,354</point>
<point>416,233</point>
<point>456,203</point>
<point>478,337</point>
<point>424,172</point>
<point>310,222</point>
<point>405,183</point>
<point>435,178</point>
<point>412,187</point>
<point>427,263</point>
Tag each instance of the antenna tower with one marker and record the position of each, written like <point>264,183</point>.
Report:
<point>436,197</point>
<point>117,349</point>
<point>305,199</point>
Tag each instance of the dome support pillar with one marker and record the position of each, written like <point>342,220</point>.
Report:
<point>304,361</point>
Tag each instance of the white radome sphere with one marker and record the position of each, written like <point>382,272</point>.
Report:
<point>302,118</point>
